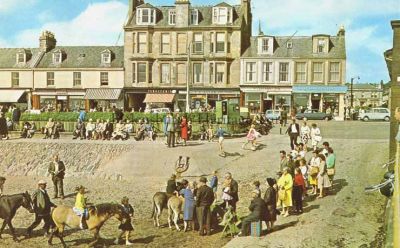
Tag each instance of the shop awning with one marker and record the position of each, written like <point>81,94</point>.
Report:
<point>319,89</point>
<point>159,98</point>
<point>103,94</point>
<point>10,96</point>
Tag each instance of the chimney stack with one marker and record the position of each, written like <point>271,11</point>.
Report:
<point>47,41</point>
<point>133,4</point>
<point>182,8</point>
<point>341,31</point>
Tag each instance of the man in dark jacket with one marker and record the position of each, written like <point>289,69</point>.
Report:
<point>171,185</point>
<point>108,130</point>
<point>119,115</point>
<point>204,199</point>
<point>258,210</point>
<point>16,115</point>
<point>42,207</point>
<point>294,132</point>
<point>57,172</point>
<point>3,127</point>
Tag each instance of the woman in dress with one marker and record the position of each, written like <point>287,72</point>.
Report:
<point>285,186</point>
<point>323,179</point>
<point>251,137</point>
<point>315,136</point>
<point>126,227</point>
<point>188,210</point>
<point>330,162</point>
<point>305,134</point>
<point>313,172</point>
<point>184,130</point>
<point>270,201</point>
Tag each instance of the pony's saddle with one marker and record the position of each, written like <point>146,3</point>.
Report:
<point>79,212</point>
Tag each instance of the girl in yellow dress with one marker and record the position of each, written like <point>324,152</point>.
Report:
<point>80,206</point>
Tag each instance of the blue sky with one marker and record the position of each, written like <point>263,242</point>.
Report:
<point>99,22</point>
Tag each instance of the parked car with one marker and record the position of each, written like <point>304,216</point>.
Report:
<point>160,110</point>
<point>313,114</point>
<point>375,114</point>
<point>273,114</point>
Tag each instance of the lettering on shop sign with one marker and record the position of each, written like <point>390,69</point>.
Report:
<point>159,91</point>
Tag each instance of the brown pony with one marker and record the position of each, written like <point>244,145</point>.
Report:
<point>98,215</point>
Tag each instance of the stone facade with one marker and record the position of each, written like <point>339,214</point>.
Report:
<point>366,95</point>
<point>167,48</point>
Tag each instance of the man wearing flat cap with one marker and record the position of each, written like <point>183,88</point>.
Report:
<point>258,210</point>
<point>204,199</point>
<point>57,171</point>
<point>42,207</point>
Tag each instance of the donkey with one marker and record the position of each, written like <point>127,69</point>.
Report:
<point>174,208</point>
<point>98,215</point>
<point>9,205</point>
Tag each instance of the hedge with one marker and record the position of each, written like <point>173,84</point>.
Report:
<point>135,117</point>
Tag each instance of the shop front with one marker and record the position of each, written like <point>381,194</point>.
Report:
<point>324,98</point>
<point>103,99</point>
<point>260,99</point>
<point>20,98</point>
<point>206,98</point>
<point>139,98</point>
<point>58,100</point>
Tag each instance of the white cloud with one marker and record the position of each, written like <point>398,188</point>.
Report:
<point>8,5</point>
<point>98,24</point>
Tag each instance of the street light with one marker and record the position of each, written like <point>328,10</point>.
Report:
<point>351,90</point>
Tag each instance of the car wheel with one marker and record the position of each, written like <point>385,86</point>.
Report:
<point>387,118</point>
<point>366,118</point>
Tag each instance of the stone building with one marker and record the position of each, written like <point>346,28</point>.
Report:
<point>63,77</point>
<point>366,95</point>
<point>170,48</point>
<point>294,71</point>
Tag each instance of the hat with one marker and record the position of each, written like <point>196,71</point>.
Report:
<point>270,181</point>
<point>203,180</point>
<point>80,187</point>
<point>42,182</point>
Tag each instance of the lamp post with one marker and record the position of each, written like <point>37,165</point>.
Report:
<point>188,79</point>
<point>351,90</point>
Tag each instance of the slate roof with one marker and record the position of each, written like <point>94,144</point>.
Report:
<point>205,16</point>
<point>301,48</point>
<point>84,57</point>
<point>8,57</point>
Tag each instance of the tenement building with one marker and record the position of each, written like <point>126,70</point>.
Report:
<point>62,78</point>
<point>295,71</point>
<point>170,49</point>
<point>366,95</point>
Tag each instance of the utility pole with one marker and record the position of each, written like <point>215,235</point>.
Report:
<point>351,90</point>
<point>188,74</point>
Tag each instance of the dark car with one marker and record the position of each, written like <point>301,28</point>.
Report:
<point>313,114</point>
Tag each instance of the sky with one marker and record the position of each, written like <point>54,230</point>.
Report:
<point>100,22</point>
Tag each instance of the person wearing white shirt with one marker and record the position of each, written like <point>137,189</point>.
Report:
<point>294,132</point>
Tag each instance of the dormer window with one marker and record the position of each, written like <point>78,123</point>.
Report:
<point>106,57</point>
<point>57,57</point>
<point>264,45</point>
<point>146,16</point>
<point>194,17</point>
<point>289,45</point>
<point>172,17</point>
<point>222,15</point>
<point>21,57</point>
<point>321,46</point>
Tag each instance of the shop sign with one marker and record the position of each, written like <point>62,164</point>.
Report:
<point>64,98</point>
<point>165,91</point>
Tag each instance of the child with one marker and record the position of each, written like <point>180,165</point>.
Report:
<point>257,187</point>
<point>126,227</point>
<point>80,206</point>
<point>214,183</point>
<point>251,138</point>
<point>298,189</point>
<point>210,133</point>
<point>226,188</point>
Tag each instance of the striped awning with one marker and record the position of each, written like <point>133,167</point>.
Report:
<point>159,98</point>
<point>103,94</point>
<point>10,96</point>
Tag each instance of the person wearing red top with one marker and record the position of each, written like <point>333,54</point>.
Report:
<point>298,189</point>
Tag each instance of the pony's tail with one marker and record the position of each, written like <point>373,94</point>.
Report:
<point>154,209</point>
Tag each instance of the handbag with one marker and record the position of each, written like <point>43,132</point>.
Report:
<point>330,171</point>
<point>282,194</point>
<point>314,171</point>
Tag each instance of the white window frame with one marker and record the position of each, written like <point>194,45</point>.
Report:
<point>337,73</point>
<point>165,47</point>
<point>139,65</point>
<point>21,55</point>
<point>14,79</point>
<point>194,17</point>
<point>319,72</point>
<point>222,18</point>
<point>298,73</point>
<point>219,80</point>
<point>264,45</point>
<point>106,58</point>
<point>57,58</point>
<point>76,81</point>
<point>220,34</point>
<point>151,16</point>
<point>251,72</point>
<point>50,78</point>
<point>140,44</point>
<point>283,73</point>
<point>104,79</point>
<point>172,17</point>
<point>199,75</point>
<point>321,43</point>
<point>165,79</point>
<point>267,73</point>
<point>198,43</point>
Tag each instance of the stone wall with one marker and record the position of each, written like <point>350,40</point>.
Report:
<point>33,158</point>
